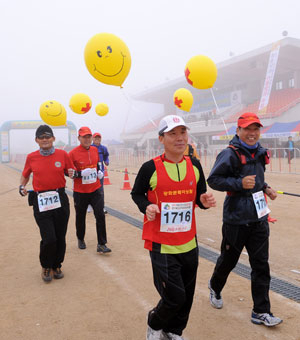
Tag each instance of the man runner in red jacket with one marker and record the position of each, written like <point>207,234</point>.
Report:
<point>87,189</point>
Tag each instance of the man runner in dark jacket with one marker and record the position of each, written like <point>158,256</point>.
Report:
<point>239,170</point>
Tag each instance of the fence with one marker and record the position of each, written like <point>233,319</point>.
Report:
<point>281,161</point>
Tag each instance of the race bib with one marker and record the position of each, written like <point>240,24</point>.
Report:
<point>48,200</point>
<point>91,178</point>
<point>260,204</point>
<point>176,217</point>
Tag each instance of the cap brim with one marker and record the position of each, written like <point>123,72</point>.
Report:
<point>85,134</point>
<point>45,133</point>
<point>173,127</point>
<point>246,124</point>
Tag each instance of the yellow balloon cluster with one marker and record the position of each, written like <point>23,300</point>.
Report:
<point>101,109</point>
<point>201,72</point>
<point>80,103</point>
<point>183,99</point>
<point>107,58</point>
<point>53,113</point>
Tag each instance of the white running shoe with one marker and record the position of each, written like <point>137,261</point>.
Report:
<point>89,209</point>
<point>171,336</point>
<point>153,334</point>
<point>268,319</point>
<point>215,299</point>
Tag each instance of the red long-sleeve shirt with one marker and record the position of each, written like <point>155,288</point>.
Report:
<point>83,159</point>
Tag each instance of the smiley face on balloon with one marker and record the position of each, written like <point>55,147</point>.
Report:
<point>107,58</point>
<point>53,113</point>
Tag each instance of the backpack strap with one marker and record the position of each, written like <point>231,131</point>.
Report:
<point>265,159</point>
<point>191,151</point>
<point>240,156</point>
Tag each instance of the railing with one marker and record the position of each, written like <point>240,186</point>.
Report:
<point>284,161</point>
<point>281,161</point>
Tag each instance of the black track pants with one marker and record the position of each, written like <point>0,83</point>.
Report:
<point>255,238</point>
<point>175,279</point>
<point>81,202</point>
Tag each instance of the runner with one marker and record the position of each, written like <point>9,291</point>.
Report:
<point>49,200</point>
<point>87,189</point>
<point>103,158</point>
<point>166,190</point>
<point>239,170</point>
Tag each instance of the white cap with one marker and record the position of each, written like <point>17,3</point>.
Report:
<point>170,122</point>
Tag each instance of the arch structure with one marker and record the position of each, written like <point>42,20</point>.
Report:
<point>29,124</point>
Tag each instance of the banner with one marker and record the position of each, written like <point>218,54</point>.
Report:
<point>235,97</point>
<point>262,109</point>
<point>4,141</point>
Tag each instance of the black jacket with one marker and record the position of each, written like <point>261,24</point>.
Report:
<point>227,174</point>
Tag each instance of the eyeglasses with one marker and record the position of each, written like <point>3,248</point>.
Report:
<point>44,137</point>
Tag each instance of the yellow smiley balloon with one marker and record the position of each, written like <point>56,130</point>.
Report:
<point>80,103</point>
<point>107,58</point>
<point>183,99</point>
<point>101,109</point>
<point>53,113</point>
<point>201,72</point>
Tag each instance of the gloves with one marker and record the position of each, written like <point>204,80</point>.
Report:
<point>100,174</point>
<point>22,190</point>
<point>86,172</point>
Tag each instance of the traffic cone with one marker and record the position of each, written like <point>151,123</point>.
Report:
<point>126,184</point>
<point>106,179</point>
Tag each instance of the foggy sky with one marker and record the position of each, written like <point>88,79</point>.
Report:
<point>42,44</point>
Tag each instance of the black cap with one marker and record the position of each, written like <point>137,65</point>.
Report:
<point>43,130</point>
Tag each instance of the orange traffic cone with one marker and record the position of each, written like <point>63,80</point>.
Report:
<point>106,179</point>
<point>126,184</point>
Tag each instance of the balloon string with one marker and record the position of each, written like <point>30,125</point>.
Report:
<point>218,111</point>
<point>129,108</point>
<point>132,107</point>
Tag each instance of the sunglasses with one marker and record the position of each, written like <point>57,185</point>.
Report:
<point>44,137</point>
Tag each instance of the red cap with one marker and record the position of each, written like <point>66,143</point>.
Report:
<point>247,119</point>
<point>96,134</point>
<point>84,130</point>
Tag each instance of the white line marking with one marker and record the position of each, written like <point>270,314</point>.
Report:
<point>106,266</point>
<point>119,280</point>
<point>295,271</point>
<point>210,240</point>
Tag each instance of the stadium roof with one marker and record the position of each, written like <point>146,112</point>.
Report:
<point>236,70</point>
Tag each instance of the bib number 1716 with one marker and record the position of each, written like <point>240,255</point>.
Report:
<point>176,217</point>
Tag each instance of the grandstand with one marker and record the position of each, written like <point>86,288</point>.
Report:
<point>238,89</point>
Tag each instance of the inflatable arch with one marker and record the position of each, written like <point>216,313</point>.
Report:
<point>29,124</point>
